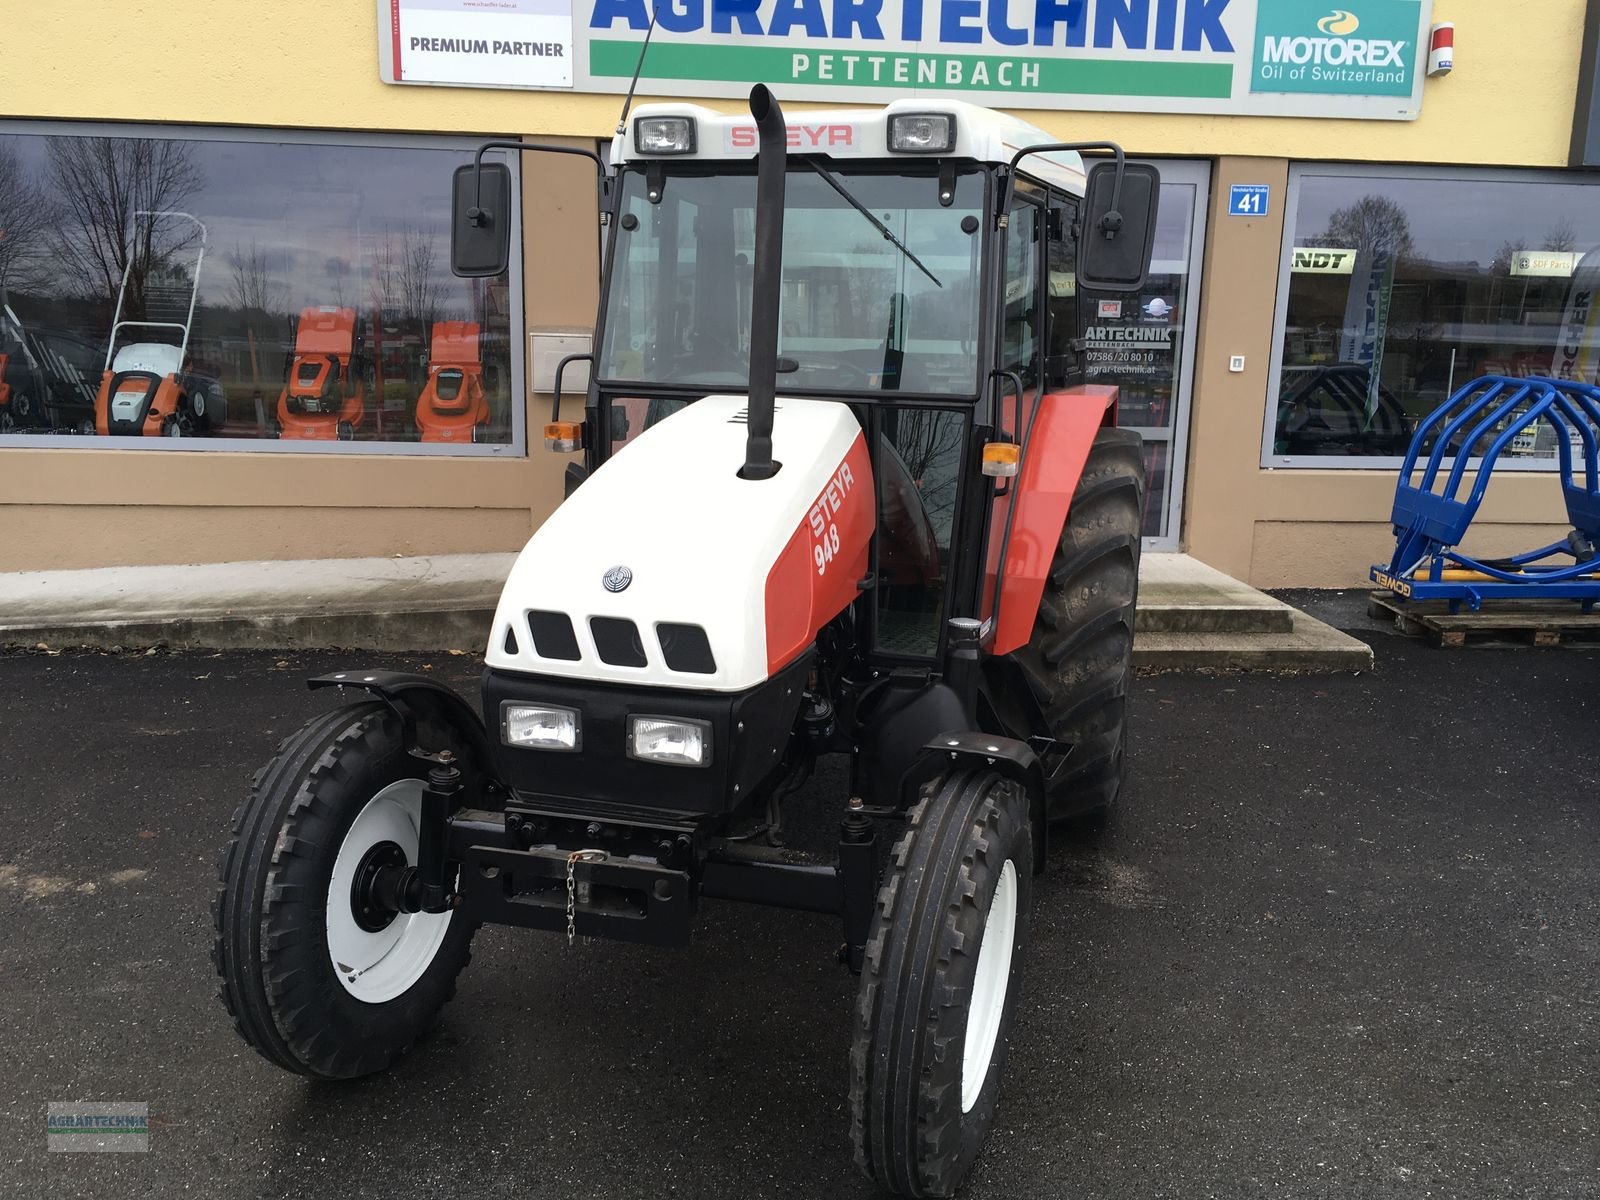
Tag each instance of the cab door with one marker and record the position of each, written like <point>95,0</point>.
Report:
<point>1020,364</point>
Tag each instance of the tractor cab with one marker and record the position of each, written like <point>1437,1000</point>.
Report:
<point>928,280</point>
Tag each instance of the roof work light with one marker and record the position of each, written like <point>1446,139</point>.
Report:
<point>664,135</point>
<point>922,133</point>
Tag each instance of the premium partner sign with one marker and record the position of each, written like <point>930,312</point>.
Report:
<point>1308,58</point>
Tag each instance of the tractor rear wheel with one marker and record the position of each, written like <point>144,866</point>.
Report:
<point>319,976</point>
<point>1079,660</point>
<point>939,985</point>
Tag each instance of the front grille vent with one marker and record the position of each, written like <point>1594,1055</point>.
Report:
<point>553,636</point>
<point>686,648</point>
<point>617,641</point>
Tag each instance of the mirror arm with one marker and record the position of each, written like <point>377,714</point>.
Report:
<point>1011,176</point>
<point>561,369</point>
<point>477,216</point>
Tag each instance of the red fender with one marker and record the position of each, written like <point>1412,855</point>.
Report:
<point>1027,522</point>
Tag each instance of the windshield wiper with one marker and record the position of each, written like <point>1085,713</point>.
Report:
<point>861,208</point>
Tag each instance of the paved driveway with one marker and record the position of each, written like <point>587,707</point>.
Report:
<point>1340,940</point>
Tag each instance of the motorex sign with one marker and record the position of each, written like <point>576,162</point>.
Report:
<point>1303,46</point>
<point>1308,58</point>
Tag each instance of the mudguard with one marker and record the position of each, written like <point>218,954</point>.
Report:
<point>413,696</point>
<point>1006,756</point>
<point>1060,431</point>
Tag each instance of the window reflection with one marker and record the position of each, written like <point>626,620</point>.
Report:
<point>1404,288</point>
<point>213,288</point>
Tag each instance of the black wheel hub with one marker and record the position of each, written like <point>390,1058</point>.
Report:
<point>380,882</point>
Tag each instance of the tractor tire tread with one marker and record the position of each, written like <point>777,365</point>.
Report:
<point>906,1122</point>
<point>1079,658</point>
<point>259,913</point>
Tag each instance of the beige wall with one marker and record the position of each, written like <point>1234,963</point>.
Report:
<point>1509,102</point>
<point>1292,526</point>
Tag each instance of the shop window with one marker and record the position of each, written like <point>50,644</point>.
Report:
<point>1398,286</point>
<point>235,290</point>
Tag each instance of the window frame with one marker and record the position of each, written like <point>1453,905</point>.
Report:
<point>1299,171</point>
<point>517,339</point>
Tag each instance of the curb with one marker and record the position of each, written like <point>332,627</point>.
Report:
<point>419,630</point>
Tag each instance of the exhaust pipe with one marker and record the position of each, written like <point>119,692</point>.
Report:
<point>766,282</point>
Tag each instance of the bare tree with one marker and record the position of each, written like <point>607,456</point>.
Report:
<point>1561,238</point>
<point>405,281</point>
<point>23,219</point>
<point>253,291</point>
<point>102,182</point>
<point>1373,223</point>
<point>385,280</point>
<point>250,283</point>
<point>338,270</point>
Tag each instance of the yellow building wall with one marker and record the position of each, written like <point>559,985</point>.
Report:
<point>313,64</point>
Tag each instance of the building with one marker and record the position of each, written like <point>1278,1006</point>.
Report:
<point>1321,280</point>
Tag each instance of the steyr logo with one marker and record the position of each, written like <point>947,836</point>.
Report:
<point>1339,23</point>
<point>617,579</point>
<point>1343,52</point>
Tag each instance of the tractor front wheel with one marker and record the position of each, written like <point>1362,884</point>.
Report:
<point>939,985</point>
<point>319,975</point>
<point>1079,660</point>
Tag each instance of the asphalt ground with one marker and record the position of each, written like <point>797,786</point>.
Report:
<point>1338,940</point>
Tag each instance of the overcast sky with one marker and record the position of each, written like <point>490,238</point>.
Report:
<point>1456,220</point>
<point>310,208</point>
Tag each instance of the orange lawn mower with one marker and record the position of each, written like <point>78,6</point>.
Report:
<point>144,389</point>
<point>452,407</point>
<point>324,399</point>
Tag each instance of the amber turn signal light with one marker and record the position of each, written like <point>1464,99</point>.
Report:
<point>1001,459</point>
<point>563,436</point>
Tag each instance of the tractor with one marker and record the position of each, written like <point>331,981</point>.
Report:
<point>922,556</point>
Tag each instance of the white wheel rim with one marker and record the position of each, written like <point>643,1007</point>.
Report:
<point>989,986</point>
<point>378,966</point>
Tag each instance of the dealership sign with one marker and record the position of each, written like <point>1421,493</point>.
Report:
<point>1307,58</point>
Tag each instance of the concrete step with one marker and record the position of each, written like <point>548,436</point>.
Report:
<point>1189,615</point>
<point>1308,646</point>
<point>1179,594</point>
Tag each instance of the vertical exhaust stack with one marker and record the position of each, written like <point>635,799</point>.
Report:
<point>767,282</point>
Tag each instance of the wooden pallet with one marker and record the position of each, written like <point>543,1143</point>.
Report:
<point>1508,623</point>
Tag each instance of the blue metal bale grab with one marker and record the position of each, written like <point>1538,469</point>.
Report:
<point>1473,427</point>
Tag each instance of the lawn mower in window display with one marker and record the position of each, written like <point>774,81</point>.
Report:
<point>452,406</point>
<point>46,382</point>
<point>145,390</point>
<point>325,397</point>
<point>921,557</point>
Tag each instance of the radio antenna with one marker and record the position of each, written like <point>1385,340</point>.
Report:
<point>627,101</point>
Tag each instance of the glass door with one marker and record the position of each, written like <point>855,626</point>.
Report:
<point>1144,343</point>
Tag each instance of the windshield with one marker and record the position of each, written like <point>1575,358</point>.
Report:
<point>859,312</point>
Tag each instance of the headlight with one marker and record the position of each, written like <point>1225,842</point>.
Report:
<point>922,133</point>
<point>675,740</point>
<point>540,726</point>
<point>663,135</point>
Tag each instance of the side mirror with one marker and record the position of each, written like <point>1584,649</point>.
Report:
<point>480,220</point>
<point>1118,232</point>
